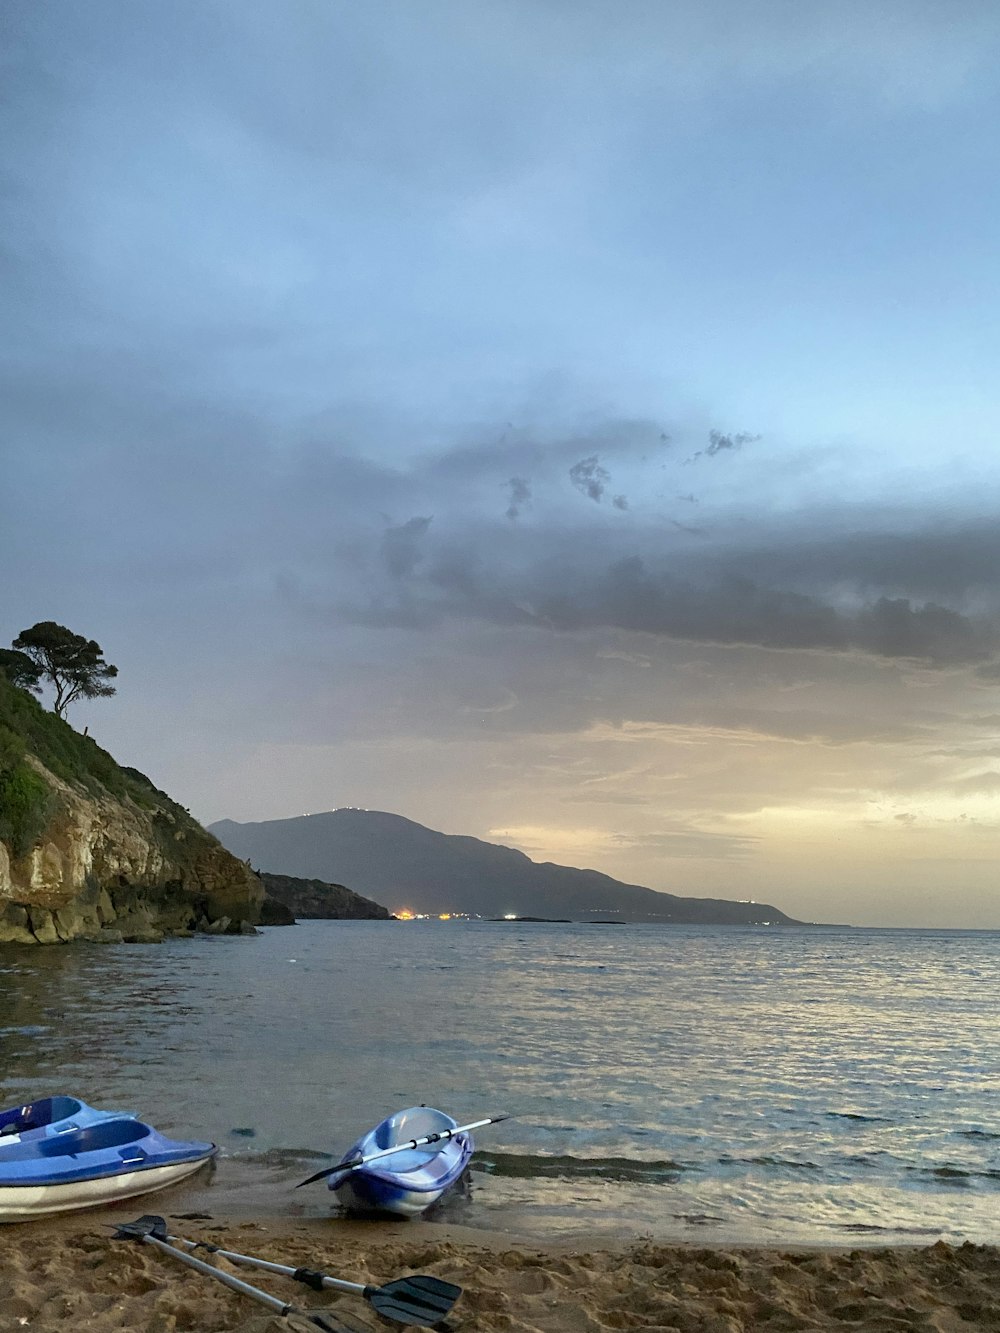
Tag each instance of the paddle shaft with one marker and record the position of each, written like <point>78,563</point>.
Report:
<point>244,1288</point>
<point>418,1143</point>
<point>419,1299</point>
<point>336,1283</point>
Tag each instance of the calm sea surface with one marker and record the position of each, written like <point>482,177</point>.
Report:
<point>726,1084</point>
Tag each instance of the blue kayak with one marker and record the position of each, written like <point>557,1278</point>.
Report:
<point>103,1162</point>
<point>409,1181</point>
<point>48,1115</point>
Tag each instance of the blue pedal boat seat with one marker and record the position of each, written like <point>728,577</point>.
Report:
<point>48,1115</point>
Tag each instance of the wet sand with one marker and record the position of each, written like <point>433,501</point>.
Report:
<point>69,1274</point>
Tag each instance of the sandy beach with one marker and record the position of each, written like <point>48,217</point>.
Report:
<point>70,1273</point>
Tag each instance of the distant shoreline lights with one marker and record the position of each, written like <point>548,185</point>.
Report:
<point>405,914</point>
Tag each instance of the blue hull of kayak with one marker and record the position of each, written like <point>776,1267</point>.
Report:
<point>49,1115</point>
<point>103,1162</point>
<point>408,1182</point>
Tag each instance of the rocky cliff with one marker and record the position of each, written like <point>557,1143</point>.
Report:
<point>90,850</point>
<point>316,899</point>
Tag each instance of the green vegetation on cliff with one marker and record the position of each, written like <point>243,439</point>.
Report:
<point>91,849</point>
<point>64,752</point>
<point>25,799</point>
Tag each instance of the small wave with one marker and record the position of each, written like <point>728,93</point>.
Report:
<point>783,1162</point>
<point>983,1135</point>
<point>869,1227</point>
<point>856,1115</point>
<point>957,1173</point>
<point>608,1168</point>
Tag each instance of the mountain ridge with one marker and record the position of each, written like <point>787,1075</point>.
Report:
<point>401,863</point>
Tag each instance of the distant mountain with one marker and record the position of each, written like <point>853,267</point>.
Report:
<point>405,865</point>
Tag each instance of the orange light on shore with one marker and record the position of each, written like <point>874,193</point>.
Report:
<point>445,916</point>
<point>404,914</point>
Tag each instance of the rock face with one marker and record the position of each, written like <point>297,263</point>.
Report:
<point>315,899</point>
<point>98,864</point>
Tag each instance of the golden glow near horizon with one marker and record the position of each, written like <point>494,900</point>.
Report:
<point>808,813</point>
<point>553,842</point>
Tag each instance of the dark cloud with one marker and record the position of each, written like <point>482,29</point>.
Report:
<point>736,610</point>
<point>590,478</point>
<point>403,547</point>
<point>520,495</point>
<point>720,443</point>
<point>922,551</point>
<point>894,627</point>
<point>556,584</point>
<point>717,442</point>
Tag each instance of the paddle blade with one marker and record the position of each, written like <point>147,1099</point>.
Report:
<point>147,1225</point>
<point>320,1175</point>
<point>331,1171</point>
<point>421,1300</point>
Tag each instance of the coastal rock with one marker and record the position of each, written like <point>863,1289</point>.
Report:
<point>318,900</point>
<point>275,913</point>
<point>108,856</point>
<point>15,928</point>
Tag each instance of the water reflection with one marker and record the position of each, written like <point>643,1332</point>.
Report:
<point>792,1083</point>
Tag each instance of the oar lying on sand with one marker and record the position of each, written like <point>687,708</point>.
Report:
<point>342,1168</point>
<point>150,1230</point>
<point>421,1300</point>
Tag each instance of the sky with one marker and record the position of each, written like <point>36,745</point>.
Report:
<point>563,422</point>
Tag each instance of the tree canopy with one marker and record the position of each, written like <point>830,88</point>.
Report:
<point>20,670</point>
<point>73,665</point>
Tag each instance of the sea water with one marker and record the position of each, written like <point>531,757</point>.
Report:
<point>709,1083</point>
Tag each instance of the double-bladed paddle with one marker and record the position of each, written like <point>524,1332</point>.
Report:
<point>151,1230</point>
<point>421,1300</point>
<point>342,1168</point>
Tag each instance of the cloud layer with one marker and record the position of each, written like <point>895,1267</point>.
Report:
<point>555,418</point>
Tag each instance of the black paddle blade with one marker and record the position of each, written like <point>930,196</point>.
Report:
<point>422,1300</point>
<point>331,1171</point>
<point>320,1175</point>
<point>147,1225</point>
